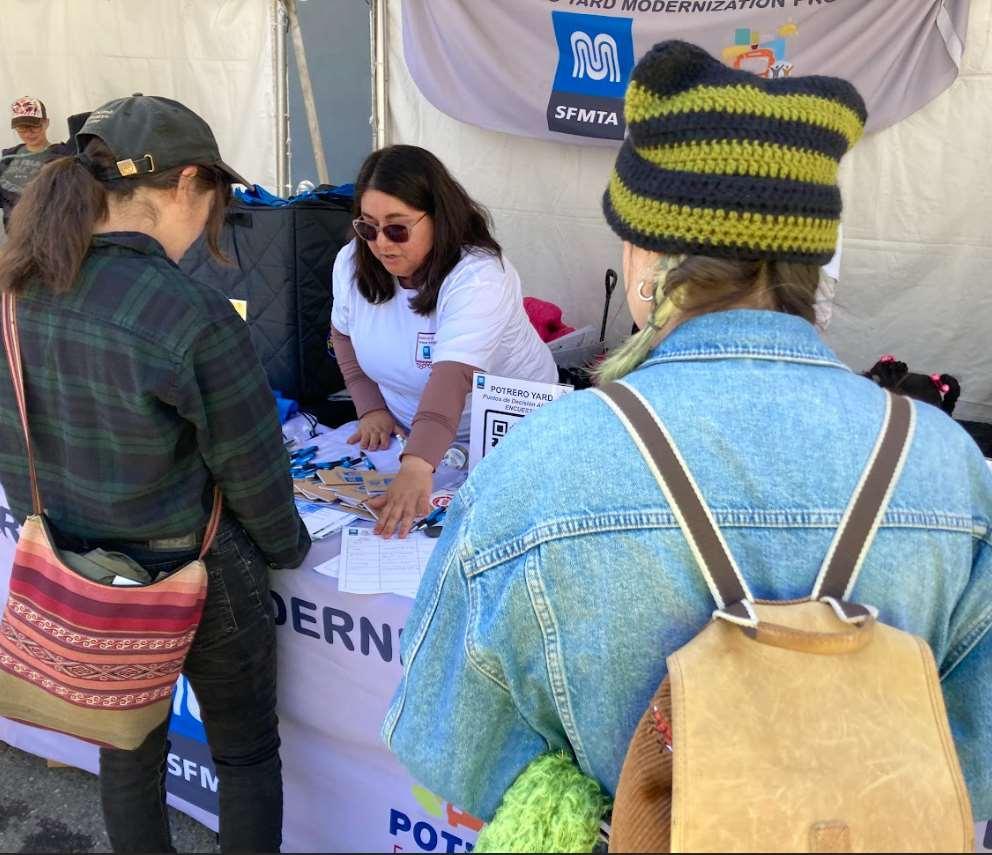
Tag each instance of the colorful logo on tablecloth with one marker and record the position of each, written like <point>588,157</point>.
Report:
<point>448,829</point>
<point>595,59</point>
<point>764,56</point>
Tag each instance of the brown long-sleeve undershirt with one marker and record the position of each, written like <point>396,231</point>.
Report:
<point>439,413</point>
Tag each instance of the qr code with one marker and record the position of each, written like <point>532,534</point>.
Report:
<point>497,426</point>
<point>500,427</point>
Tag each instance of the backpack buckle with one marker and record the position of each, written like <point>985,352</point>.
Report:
<point>741,613</point>
<point>853,613</point>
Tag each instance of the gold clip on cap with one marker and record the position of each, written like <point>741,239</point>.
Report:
<point>128,167</point>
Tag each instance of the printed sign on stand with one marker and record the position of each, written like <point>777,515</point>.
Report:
<point>499,403</point>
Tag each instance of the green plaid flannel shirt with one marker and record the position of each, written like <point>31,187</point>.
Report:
<point>143,391</point>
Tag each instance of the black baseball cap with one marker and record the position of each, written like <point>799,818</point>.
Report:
<point>148,134</point>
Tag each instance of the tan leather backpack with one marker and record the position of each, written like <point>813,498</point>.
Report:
<point>801,726</point>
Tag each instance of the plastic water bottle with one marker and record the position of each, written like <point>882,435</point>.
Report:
<point>456,457</point>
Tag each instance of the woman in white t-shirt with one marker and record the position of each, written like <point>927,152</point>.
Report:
<point>422,298</point>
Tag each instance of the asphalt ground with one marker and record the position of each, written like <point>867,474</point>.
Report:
<point>58,810</point>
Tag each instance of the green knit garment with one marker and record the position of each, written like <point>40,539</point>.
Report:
<point>551,807</point>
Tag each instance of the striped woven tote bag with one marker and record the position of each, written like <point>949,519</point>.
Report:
<point>94,661</point>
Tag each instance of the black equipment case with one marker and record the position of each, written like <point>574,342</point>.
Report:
<point>282,261</point>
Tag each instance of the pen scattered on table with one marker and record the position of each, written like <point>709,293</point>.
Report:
<point>345,484</point>
<point>432,520</point>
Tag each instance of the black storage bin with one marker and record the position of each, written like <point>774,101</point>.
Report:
<point>282,261</point>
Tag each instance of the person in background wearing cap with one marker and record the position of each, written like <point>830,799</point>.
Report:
<point>144,392</point>
<point>546,614</point>
<point>18,165</point>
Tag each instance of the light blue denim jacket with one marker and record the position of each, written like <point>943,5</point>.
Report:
<point>562,580</point>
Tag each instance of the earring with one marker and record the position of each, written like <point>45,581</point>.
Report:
<point>640,292</point>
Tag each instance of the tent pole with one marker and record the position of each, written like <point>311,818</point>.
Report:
<point>281,73</point>
<point>380,76</point>
<point>309,102</point>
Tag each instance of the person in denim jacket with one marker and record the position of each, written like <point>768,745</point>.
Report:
<point>562,580</point>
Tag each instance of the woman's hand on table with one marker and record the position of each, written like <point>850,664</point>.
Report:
<point>407,499</point>
<point>376,430</point>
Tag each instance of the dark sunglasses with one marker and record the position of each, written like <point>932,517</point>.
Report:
<point>394,232</point>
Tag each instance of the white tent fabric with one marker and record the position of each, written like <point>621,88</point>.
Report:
<point>916,270</point>
<point>215,56</point>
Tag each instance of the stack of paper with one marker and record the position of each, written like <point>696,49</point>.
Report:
<point>349,489</point>
<point>321,520</point>
<point>373,565</point>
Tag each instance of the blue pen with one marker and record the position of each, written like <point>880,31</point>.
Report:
<point>344,463</point>
<point>310,451</point>
<point>432,518</point>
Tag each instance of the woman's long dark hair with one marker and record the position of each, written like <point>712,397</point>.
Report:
<point>416,177</point>
<point>51,227</point>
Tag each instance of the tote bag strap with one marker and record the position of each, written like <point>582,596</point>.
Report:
<point>212,524</point>
<point>12,346</point>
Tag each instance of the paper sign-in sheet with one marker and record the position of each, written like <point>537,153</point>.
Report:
<point>373,565</point>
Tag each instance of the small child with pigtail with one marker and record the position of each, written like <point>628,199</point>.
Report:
<point>941,390</point>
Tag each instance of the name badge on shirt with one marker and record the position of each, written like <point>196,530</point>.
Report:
<point>424,356</point>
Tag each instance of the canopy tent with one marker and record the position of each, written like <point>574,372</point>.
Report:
<point>222,58</point>
<point>917,240</point>
<point>918,200</point>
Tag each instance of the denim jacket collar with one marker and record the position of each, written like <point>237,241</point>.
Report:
<point>745,334</point>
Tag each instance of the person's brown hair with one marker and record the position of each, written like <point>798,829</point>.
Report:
<point>51,227</point>
<point>415,176</point>
<point>701,284</point>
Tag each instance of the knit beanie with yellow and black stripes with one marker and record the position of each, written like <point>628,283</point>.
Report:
<point>723,163</point>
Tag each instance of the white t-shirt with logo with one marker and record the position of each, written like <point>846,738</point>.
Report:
<point>479,320</point>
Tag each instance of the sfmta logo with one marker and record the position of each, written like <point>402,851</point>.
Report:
<point>597,59</point>
<point>448,829</point>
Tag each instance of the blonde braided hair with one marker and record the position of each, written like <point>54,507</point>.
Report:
<point>635,349</point>
<point>688,285</point>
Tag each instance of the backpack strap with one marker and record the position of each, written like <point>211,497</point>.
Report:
<point>713,557</point>
<point>864,513</point>
<point>854,537</point>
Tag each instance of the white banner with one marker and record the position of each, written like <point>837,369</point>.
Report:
<point>215,56</point>
<point>338,666</point>
<point>548,68</point>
